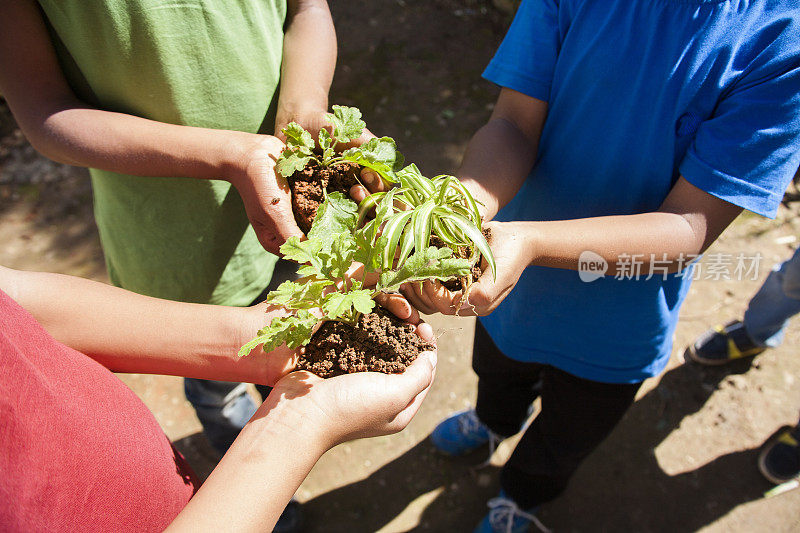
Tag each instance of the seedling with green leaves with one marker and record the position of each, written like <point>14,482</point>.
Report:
<point>378,154</point>
<point>394,246</point>
<point>418,208</point>
<point>325,291</point>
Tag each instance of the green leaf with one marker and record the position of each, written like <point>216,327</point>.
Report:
<point>386,207</point>
<point>299,295</point>
<point>298,138</point>
<point>406,244</point>
<point>366,205</point>
<point>347,123</point>
<point>337,259</point>
<point>325,144</point>
<point>379,154</point>
<point>471,232</point>
<point>411,178</point>
<point>302,251</point>
<point>335,215</point>
<point>335,305</point>
<point>307,270</point>
<point>362,301</point>
<point>367,249</point>
<point>445,233</point>
<point>294,331</point>
<point>298,152</point>
<point>393,230</point>
<point>284,293</point>
<point>429,263</point>
<point>421,221</point>
<point>453,184</point>
<point>291,161</point>
<point>333,227</point>
<point>339,304</point>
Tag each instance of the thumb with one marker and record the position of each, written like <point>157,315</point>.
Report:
<point>286,226</point>
<point>272,234</point>
<point>423,374</point>
<point>479,297</point>
<point>283,224</point>
<point>415,379</point>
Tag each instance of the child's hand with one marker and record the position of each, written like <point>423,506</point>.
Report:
<point>512,251</point>
<point>372,183</point>
<point>312,120</point>
<point>281,361</point>
<point>364,404</point>
<point>266,194</point>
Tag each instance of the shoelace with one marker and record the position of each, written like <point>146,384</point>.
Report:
<point>503,511</point>
<point>469,424</point>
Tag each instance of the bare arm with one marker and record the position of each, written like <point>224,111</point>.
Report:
<point>302,418</point>
<point>65,129</point>
<point>685,225</point>
<point>501,154</point>
<point>128,332</point>
<point>496,164</point>
<point>309,60</point>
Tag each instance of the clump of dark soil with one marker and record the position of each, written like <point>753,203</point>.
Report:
<point>310,184</point>
<point>379,342</point>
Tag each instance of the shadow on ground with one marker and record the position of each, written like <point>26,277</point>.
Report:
<point>620,487</point>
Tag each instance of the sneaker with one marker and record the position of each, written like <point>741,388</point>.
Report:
<point>462,433</point>
<point>779,459</point>
<point>505,516</point>
<point>724,344</point>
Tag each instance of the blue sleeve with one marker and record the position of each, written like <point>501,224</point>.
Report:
<point>747,152</point>
<point>527,56</point>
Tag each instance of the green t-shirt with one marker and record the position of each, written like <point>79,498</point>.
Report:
<point>206,63</point>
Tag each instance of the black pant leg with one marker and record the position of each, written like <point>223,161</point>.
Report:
<point>506,388</point>
<point>576,416</point>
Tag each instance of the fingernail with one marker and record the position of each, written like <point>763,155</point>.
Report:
<point>426,332</point>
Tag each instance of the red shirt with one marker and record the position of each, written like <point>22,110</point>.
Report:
<point>78,450</point>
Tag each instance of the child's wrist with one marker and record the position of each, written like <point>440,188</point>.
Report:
<point>532,242</point>
<point>293,417</point>
<point>232,155</point>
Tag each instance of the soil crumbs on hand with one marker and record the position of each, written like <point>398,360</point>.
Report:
<point>458,284</point>
<point>310,185</point>
<point>378,343</point>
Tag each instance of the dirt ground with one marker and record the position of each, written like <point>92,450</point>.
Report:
<point>683,458</point>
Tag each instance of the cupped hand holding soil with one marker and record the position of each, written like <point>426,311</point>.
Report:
<point>354,406</point>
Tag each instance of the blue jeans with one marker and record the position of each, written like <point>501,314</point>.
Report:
<point>223,407</point>
<point>774,304</point>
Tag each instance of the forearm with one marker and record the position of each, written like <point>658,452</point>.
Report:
<point>665,239</point>
<point>685,225</point>
<point>128,332</point>
<point>79,135</point>
<point>257,477</point>
<point>497,161</point>
<point>66,129</point>
<point>309,59</point>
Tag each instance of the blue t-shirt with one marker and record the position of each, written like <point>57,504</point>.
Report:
<point>640,92</point>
